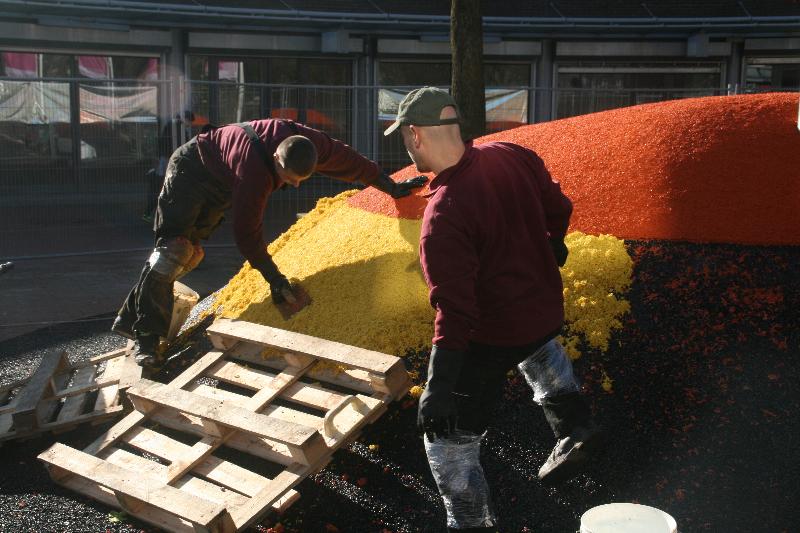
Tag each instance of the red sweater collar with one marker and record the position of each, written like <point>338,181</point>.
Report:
<point>444,176</point>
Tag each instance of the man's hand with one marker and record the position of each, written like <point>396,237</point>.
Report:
<point>404,188</point>
<point>559,250</point>
<point>386,184</point>
<point>437,412</point>
<point>281,290</point>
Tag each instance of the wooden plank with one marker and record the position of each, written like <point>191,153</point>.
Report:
<point>395,382</point>
<point>38,386</point>
<point>197,369</point>
<point>292,342</point>
<point>157,517</point>
<point>356,380</point>
<point>93,416</point>
<point>277,385</point>
<point>269,392</point>
<point>218,394</point>
<point>254,378</point>
<point>215,411</point>
<point>108,396</point>
<point>73,406</point>
<point>134,485</point>
<point>97,359</point>
<point>189,484</point>
<point>79,389</point>
<point>238,374</point>
<point>48,407</point>
<point>114,433</point>
<point>213,468</point>
<point>244,442</point>
<point>268,496</point>
<point>129,374</point>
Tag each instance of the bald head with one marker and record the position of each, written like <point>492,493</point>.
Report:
<point>434,148</point>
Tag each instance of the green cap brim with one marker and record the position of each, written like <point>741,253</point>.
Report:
<point>392,128</point>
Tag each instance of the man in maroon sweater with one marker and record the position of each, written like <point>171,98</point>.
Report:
<point>491,243</point>
<point>237,166</point>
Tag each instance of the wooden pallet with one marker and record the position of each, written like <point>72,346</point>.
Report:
<point>55,398</point>
<point>169,462</point>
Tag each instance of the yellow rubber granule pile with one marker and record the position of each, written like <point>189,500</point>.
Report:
<point>362,272</point>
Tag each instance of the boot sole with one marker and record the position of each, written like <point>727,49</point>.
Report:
<point>575,460</point>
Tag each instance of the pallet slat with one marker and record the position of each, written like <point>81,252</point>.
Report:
<point>134,486</point>
<point>73,405</point>
<point>26,410</point>
<point>299,343</point>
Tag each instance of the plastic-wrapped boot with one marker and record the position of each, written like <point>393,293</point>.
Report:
<point>578,437</point>
<point>147,353</point>
<point>490,529</point>
<point>456,468</point>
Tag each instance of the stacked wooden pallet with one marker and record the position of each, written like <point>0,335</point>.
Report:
<point>57,396</point>
<point>229,438</point>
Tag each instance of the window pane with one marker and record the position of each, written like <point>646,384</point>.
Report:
<point>57,66</point>
<point>506,75</point>
<point>133,68</point>
<point>586,87</point>
<point>19,65</point>
<point>198,67</point>
<point>95,67</point>
<point>413,74</point>
<point>771,74</point>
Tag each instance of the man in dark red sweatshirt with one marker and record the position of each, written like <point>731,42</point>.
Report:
<point>237,166</point>
<point>491,243</point>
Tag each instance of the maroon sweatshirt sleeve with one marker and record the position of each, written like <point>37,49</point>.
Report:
<point>338,160</point>
<point>450,265</point>
<point>249,201</point>
<point>557,207</point>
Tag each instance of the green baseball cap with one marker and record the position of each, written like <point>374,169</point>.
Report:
<point>422,107</point>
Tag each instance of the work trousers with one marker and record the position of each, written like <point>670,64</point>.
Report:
<point>190,207</point>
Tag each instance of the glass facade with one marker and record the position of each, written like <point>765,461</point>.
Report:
<point>590,86</point>
<point>771,74</point>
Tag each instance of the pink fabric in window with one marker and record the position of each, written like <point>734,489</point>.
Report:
<point>95,67</point>
<point>20,64</point>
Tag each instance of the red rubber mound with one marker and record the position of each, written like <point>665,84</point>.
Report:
<point>714,169</point>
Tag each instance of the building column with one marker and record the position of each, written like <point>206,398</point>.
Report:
<point>544,96</point>
<point>733,71</point>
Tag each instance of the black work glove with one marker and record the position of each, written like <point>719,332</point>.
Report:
<point>281,290</point>
<point>386,184</point>
<point>559,250</point>
<point>436,415</point>
<point>279,286</point>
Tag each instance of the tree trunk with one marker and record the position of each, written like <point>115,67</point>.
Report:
<point>467,85</point>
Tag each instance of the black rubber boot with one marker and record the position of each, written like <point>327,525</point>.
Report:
<point>578,436</point>
<point>123,327</point>
<point>147,353</point>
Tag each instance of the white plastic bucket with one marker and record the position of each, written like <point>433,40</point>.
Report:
<point>185,299</point>
<point>627,518</point>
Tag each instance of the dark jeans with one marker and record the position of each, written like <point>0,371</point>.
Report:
<point>483,376</point>
<point>190,207</point>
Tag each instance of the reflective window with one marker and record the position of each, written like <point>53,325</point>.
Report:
<point>589,86</point>
<point>772,74</point>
